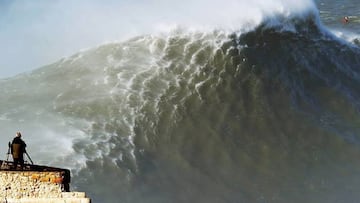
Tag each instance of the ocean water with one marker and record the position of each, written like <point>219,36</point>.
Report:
<point>265,112</point>
<point>332,13</point>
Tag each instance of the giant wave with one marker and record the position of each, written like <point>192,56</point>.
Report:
<point>267,114</point>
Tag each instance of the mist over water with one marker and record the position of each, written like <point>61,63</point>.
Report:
<point>35,33</point>
<point>265,112</point>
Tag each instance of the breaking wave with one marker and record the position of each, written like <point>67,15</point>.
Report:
<point>267,114</point>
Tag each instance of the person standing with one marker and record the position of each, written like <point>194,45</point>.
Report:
<point>17,150</point>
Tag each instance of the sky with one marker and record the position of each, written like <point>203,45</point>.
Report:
<point>34,33</point>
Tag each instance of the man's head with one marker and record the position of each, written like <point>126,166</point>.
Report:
<point>18,134</point>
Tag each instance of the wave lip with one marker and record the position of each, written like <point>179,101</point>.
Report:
<point>238,15</point>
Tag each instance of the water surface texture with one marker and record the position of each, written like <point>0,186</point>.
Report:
<point>267,113</point>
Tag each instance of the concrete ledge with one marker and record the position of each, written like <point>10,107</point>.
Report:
<point>48,200</point>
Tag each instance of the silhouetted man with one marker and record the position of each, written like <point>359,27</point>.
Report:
<point>17,150</point>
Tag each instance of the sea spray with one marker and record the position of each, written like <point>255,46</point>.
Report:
<point>267,114</point>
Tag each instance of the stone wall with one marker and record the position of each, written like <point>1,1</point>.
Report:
<point>37,184</point>
<point>67,197</point>
<point>24,184</point>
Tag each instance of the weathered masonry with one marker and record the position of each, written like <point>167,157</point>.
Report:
<point>37,184</point>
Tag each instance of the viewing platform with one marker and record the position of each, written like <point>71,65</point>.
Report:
<point>37,184</point>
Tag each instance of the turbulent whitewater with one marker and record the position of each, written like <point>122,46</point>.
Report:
<point>267,114</point>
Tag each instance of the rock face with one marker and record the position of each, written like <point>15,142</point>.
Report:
<point>37,184</point>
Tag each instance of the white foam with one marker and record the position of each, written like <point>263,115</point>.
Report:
<point>235,15</point>
<point>345,35</point>
<point>89,23</point>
